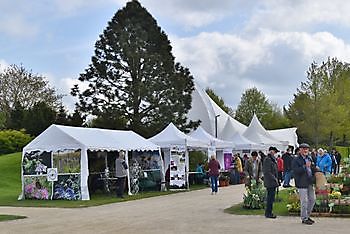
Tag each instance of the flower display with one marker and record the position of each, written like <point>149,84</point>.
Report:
<point>67,187</point>
<point>37,188</point>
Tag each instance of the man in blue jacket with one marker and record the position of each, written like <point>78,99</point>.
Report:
<point>324,162</point>
<point>304,171</point>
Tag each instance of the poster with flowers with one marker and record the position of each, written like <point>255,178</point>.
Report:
<point>178,164</point>
<point>36,162</point>
<point>37,187</point>
<point>67,187</point>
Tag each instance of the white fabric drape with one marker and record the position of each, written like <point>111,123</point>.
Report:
<point>84,172</point>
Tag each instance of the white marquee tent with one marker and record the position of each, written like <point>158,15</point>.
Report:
<point>287,134</point>
<point>242,143</point>
<point>57,138</point>
<point>206,110</point>
<point>171,135</point>
<point>202,135</point>
<point>257,133</point>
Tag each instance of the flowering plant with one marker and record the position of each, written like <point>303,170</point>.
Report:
<point>36,188</point>
<point>67,188</point>
<point>255,197</point>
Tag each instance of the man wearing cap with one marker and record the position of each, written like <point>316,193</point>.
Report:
<point>270,180</point>
<point>304,171</point>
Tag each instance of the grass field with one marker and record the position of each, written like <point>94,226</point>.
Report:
<point>10,188</point>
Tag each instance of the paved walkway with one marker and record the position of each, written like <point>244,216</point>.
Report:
<point>190,212</point>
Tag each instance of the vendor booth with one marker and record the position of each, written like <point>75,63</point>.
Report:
<point>175,148</point>
<point>218,147</point>
<point>65,162</point>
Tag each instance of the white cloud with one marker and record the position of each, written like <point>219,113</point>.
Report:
<point>3,65</point>
<point>299,15</point>
<point>17,26</point>
<point>274,62</point>
<point>194,13</point>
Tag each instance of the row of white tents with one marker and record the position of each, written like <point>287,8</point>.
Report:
<point>232,134</point>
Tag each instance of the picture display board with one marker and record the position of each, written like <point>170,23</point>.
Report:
<point>227,158</point>
<point>48,175</point>
<point>178,162</point>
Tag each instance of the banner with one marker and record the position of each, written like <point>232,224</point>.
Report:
<point>178,163</point>
<point>227,158</point>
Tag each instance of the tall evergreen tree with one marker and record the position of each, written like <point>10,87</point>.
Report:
<point>76,119</point>
<point>133,75</point>
<point>61,117</point>
<point>38,118</point>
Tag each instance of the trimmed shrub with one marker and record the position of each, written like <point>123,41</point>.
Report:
<point>13,141</point>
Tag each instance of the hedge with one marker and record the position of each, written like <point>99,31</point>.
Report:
<point>13,141</point>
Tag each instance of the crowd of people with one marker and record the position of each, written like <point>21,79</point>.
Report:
<point>279,168</point>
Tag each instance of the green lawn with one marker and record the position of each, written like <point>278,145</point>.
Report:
<point>10,217</point>
<point>10,188</point>
<point>279,207</point>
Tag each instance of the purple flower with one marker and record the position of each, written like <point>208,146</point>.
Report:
<point>28,189</point>
<point>44,193</point>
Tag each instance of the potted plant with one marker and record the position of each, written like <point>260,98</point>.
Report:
<point>223,180</point>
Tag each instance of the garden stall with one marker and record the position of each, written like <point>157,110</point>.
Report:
<point>55,165</point>
<point>175,148</point>
<point>219,145</point>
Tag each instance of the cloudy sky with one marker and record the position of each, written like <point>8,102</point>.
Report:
<point>228,45</point>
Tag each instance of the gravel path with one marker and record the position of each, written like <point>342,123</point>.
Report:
<point>190,212</point>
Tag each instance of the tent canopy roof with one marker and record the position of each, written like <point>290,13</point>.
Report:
<point>171,135</point>
<point>201,134</point>
<point>242,143</point>
<point>257,133</point>
<point>59,137</point>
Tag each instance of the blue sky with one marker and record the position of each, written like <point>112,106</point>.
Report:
<point>228,45</point>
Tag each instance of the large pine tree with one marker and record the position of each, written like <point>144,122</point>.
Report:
<point>133,76</point>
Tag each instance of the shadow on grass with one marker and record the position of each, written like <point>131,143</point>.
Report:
<point>10,217</point>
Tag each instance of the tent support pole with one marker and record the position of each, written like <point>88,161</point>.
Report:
<point>128,171</point>
<point>162,175</point>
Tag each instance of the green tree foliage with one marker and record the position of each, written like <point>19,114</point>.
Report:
<point>133,80</point>
<point>321,108</point>
<point>219,101</point>
<point>13,141</point>
<point>2,120</point>
<point>21,87</point>
<point>16,117</point>
<point>62,117</point>
<point>76,119</point>
<point>38,118</point>
<point>255,101</point>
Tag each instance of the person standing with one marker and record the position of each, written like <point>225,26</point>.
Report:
<point>120,173</point>
<point>253,169</point>
<point>304,172</point>
<point>287,164</point>
<point>214,167</point>
<point>270,180</point>
<point>337,156</point>
<point>324,162</point>
<point>280,169</point>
